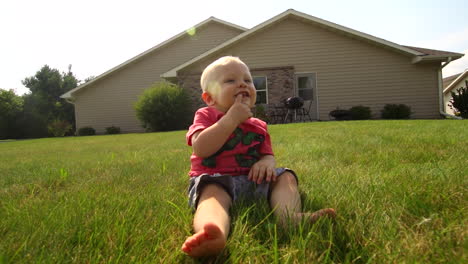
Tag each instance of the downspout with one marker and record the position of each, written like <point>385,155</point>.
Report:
<point>441,92</point>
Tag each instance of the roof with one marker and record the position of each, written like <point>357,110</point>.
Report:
<point>418,54</point>
<point>431,54</point>
<point>450,82</point>
<point>68,94</point>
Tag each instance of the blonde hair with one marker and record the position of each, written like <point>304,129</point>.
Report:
<point>206,78</point>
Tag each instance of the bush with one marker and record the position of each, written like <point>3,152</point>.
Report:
<point>360,112</point>
<point>396,111</point>
<point>459,101</point>
<point>58,128</point>
<point>260,112</point>
<point>86,131</point>
<point>112,130</point>
<point>164,107</point>
<point>341,114</point>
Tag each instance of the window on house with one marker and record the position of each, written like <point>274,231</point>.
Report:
<point>306,84</point>
<point>260,83</point>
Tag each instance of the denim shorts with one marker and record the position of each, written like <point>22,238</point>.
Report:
<point>235,186</point>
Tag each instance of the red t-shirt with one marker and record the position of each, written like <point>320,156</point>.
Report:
<point>243,148</point>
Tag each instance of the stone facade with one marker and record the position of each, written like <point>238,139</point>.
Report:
<point>280,82</point>
<point>191,82</point>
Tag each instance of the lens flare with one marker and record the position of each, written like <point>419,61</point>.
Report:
<point>192,31</point>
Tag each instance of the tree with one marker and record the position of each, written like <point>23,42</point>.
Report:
<point>459,101</point>
<point>11,107</point>
<point>66,109</point>
<point>47,82</point>
<point>32,124</point>
<point>90,78</point>
<point>44,104</point>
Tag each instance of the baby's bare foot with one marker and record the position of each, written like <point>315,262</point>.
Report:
<point>207,242</point>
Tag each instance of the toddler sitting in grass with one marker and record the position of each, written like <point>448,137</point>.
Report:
<point>232,157</point>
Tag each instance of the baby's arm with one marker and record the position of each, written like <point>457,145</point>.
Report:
<point>206,142</point>
<point>264,169</point>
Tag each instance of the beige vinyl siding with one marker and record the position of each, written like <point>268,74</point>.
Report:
<point>110,101</point>
<point>349,71</point>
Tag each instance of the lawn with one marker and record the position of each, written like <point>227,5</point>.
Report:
<point>399,187</point>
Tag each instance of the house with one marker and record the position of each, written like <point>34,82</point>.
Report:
<point>290,54</point>
<point>451,84</point>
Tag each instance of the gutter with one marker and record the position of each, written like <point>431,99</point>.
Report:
<point>441,93</point>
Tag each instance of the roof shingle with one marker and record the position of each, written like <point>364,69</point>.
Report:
<point>433,52</point>
<point>448,80</point>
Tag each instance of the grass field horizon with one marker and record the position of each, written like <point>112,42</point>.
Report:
<point>399,188</point>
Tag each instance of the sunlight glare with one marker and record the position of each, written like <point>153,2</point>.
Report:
<point>192,31</point>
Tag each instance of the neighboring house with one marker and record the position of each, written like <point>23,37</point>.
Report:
<point>290,54</point>
<point>451,84</point>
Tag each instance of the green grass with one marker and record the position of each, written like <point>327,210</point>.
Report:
<point>400,188</point>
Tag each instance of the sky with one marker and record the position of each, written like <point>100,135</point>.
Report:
<point>96,35</point>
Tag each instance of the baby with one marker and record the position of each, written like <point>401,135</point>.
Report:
<point>232,158</point>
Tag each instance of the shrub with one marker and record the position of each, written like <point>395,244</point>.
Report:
<point>260,112</point>
<point>164,107</point>
<point>112,130</point>
<point>58,128</point>
<point>86,131</point>
<point>459,101</point>
<point>396,111</point>
<point>360,112</point>
<point>340,114</point>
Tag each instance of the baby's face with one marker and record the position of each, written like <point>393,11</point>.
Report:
<point>229,81</point>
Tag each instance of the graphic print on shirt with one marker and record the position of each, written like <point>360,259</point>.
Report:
<point>243,160</point>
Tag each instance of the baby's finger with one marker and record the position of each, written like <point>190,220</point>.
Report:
<point>239,98</point>
<point>274,177</point>
<point>253,173</point>
<point>246,100</point>
<point>273,174</point>
<point>269,175</point>
<point>261,175</point>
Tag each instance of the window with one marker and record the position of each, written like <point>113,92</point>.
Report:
<point>306,84</point>
<point>260,83</point>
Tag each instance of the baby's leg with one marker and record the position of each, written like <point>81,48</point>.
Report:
<point>211,223</point>
<point>286,201</point>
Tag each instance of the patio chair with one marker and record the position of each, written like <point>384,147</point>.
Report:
<point>276,113</point>
<point>304,112</point>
